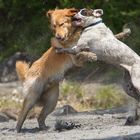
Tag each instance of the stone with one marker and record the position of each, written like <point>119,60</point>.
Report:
<point>65,110</point>
<point>7,66</point>
<point>3,117</point>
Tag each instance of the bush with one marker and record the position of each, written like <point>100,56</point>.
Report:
<point>104,98</point>
<point>24,26</point>
<point>108,97</point>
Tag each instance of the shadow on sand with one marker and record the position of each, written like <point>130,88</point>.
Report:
<point>135,136</point>
<point>23,130</point>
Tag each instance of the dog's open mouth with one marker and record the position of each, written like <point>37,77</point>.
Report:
<point>77,21</point>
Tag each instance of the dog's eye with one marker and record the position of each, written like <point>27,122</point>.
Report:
<point>54,26</point>
<point>61,24</point>
<point>84,13</point>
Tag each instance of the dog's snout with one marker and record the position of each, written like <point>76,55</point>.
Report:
<point>75,16</point>
<point>59,37</point>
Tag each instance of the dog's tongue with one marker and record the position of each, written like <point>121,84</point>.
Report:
<point>77,22</point>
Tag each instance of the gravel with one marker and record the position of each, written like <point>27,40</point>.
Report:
<point>92,127</point>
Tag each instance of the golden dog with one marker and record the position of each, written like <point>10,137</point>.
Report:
<point>41,80</point>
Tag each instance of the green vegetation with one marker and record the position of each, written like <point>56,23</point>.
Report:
<point>108,97</point>
<point>24,26</point>
<point>105,97</point>
<point>74,94</point>
<point>7,103</point>
<point>71,88</point>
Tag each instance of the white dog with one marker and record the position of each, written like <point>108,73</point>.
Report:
<point>99,39</point>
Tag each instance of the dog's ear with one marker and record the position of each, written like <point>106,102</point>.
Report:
<point>49,13</point>
<point>98,12</point>
<point>72,12</point>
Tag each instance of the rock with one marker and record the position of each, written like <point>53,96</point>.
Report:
<point>7,67</point>
<point>8,88</point>
<point>11,114</point>
<point>3,117</point>
<point>65,110</point>
<point>63,125</point>
<point>115,110</point>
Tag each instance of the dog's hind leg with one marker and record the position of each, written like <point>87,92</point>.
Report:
<point>51,97</point>
<point>133,92</point>
<point>29,101</point>
<point>135,76</point>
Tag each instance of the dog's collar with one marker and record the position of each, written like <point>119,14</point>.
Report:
<point>93,24</point>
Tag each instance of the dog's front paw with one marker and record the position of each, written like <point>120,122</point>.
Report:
<point>86,56</point>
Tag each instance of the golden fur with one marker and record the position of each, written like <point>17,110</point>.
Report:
<point>61,24</point>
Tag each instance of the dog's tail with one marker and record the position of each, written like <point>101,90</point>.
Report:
<point>21,69</point>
